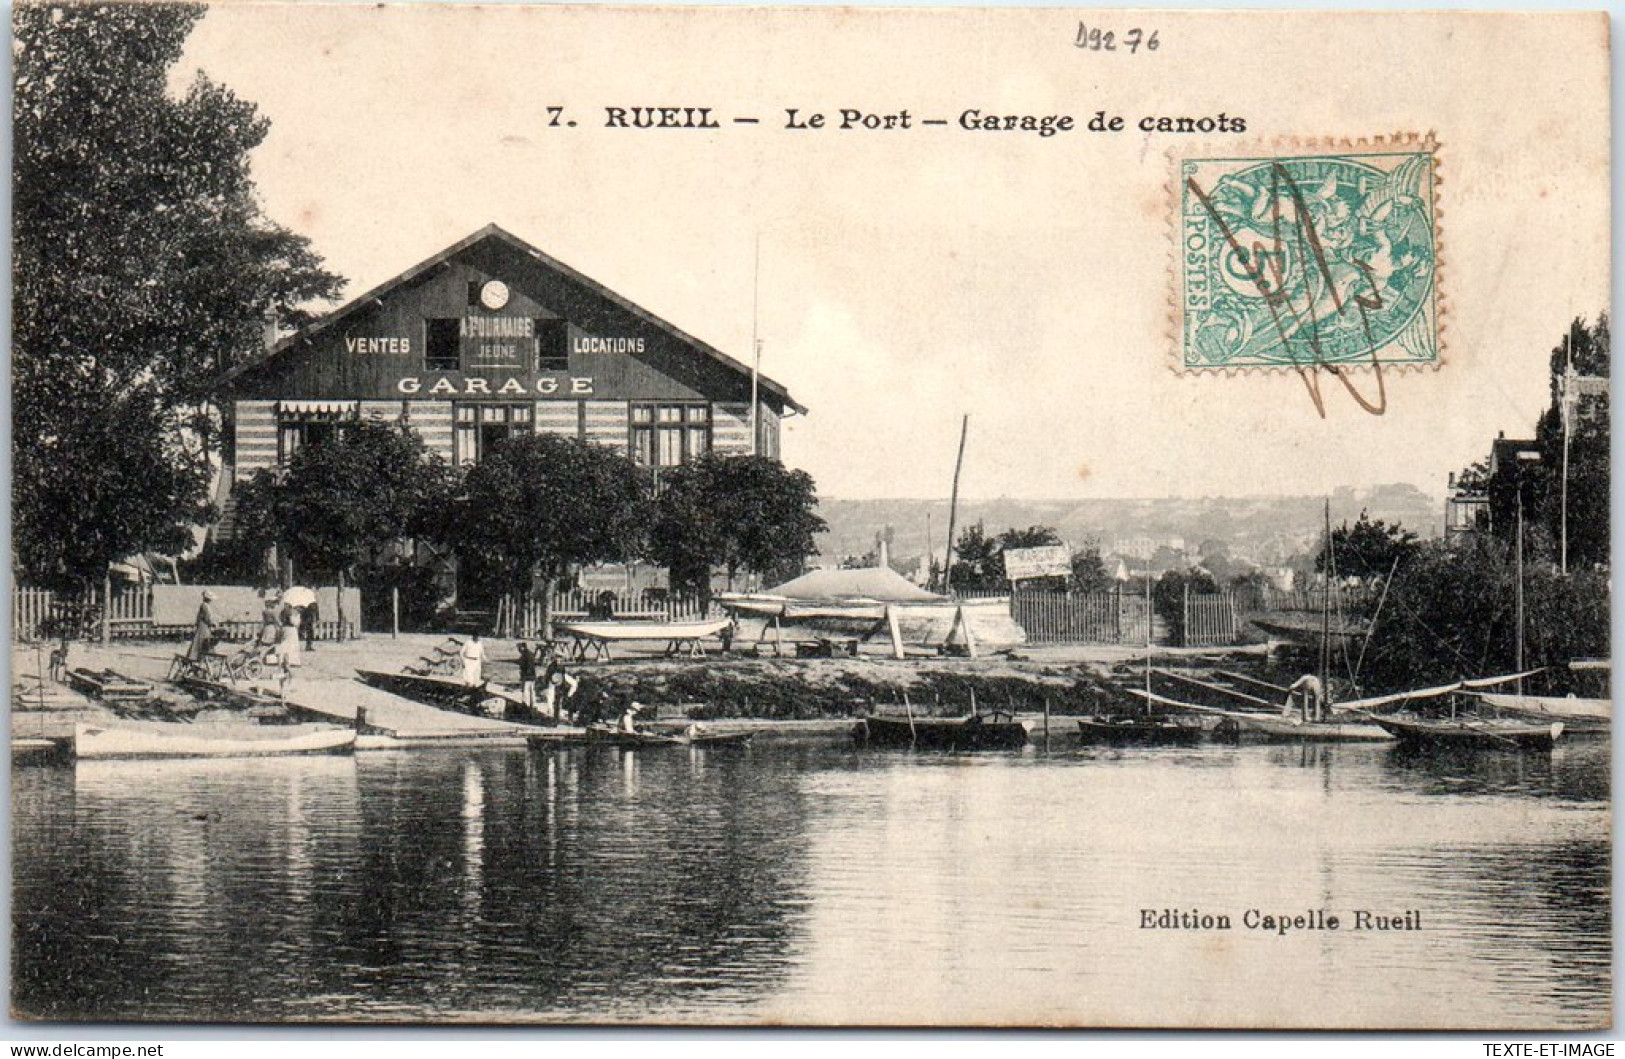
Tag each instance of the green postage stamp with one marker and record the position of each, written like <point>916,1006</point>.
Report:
<point>1308,260</point>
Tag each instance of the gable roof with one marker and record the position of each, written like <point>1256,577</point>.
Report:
<point>494,232</point>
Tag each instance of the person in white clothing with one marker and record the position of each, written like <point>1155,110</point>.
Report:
<point>473,656</point>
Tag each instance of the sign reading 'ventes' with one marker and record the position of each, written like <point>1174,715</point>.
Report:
<point>1049,561</point>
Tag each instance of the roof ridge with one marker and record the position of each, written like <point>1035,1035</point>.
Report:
<point>493,230</point>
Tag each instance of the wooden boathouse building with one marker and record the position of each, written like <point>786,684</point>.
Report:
<point>488,338</point>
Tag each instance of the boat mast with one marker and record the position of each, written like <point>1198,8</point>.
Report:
<point>953,511</point>
<point>1518,643</point>
<point>1568,401</point>
<point>1326,615</point>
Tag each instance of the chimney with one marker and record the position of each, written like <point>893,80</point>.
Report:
<point>268,321</point>
<point>884,562</point>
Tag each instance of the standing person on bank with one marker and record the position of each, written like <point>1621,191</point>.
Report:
<point>202,629</point>
<point>313,614</point>
<point>527,676</point>
<point>287,650</point>
<point>473,656</point>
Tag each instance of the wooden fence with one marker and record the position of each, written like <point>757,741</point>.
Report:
<point>1210,620</point>
<point>41,614</point>
<point>578,604</point>
<point>1112,617</point>
<point>1118,617</point>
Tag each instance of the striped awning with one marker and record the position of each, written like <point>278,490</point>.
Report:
<point>316,408</point>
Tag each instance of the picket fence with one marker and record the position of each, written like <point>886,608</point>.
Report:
<point>43,614</point>
<point>578,604</point>
<point>1118,617</point>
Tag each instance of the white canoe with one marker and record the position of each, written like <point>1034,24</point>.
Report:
<point>644,630</point>
<point>156,739</point>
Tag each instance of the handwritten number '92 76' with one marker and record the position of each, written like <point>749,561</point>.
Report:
<point>1107,40</point>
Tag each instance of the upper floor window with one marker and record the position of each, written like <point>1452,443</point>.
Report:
<point>442,344</point>
<point>665,435</point>
<point>552,345</point>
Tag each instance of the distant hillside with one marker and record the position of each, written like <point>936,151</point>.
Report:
<point>1266,529</point>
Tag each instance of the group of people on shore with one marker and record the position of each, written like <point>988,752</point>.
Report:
<point>285,632</point>
<point>557,684</point>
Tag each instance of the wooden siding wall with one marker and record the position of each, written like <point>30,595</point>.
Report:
<point>255,437</point>
<point>432,421</point>
<point>607,424</point>
<point>730,429</point>
<point>558,417</point>
<point>770,430</point>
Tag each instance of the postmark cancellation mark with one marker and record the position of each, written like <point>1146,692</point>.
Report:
<point>1301,260</point>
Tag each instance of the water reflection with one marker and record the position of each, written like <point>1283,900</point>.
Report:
<point>814,881</point>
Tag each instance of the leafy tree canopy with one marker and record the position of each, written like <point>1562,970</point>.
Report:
<point>544,502</point>
<point>1367,549</point>
<point>351,495</point>
<point>143,266</point>
<point>746,513</point>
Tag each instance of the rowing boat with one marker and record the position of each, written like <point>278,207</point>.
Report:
<point>157,739</point>
<point>600,735</point>
<point>1137,728</point>
<point>1474,733</point>
<point>1277,726</point>
<point>975,732</point>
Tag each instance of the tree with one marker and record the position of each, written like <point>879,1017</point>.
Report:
<point>746,513</point>
<point>1451,613</point>
<point>1088,570</point>
<point>143,267</point>
<point>348,498</point>
<point>1168,596</point>
<point>541,503</point>
<point>1368,549</point>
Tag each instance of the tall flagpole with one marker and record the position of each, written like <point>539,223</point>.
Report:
<point>756,350</point>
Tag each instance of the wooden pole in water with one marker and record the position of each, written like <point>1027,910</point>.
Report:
<point>395,612</point>
<point>953,510</point>
<point>908,708</point>
<point>1046,722</point>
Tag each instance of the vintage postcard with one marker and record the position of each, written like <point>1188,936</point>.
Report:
<point>810,516</point>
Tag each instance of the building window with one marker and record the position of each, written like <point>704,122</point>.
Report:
<point>442,344</point>
<point>665,435</point>
<point>482,427</point>
<point>552,345</point>
<point>301,423</point>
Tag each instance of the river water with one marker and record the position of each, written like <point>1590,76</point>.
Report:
<point>804,880</point>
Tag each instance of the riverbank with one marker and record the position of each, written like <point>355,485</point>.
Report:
<point>1065,680</point>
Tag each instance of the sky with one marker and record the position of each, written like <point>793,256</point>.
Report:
<point>901,279</point>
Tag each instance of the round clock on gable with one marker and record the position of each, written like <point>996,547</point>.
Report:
<point>494,295</point>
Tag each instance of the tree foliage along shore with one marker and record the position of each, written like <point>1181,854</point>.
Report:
<point>740,513</point>
<point>142,267</point>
